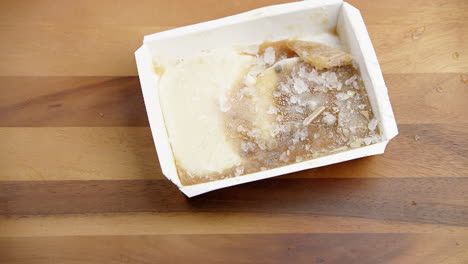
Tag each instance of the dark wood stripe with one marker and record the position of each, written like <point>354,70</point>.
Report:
<point>117,101</point>
<point>72,101</point>
<point>428,200</point>
<point>249,248</point>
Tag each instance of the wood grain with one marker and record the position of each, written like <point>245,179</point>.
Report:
<point>405,50</point>
<point>127,153</point>
<point>57,46</point>
<point>124,12</point>
<point>72,101</point>
<point>117,101</point>
<point>107,40</point>
<point>180,13</point>
<point>171,223</point>
<point>432,200</point>
<point>242,248</point>
<point>80,180</point>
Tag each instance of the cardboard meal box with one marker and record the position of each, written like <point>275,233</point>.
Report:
<point>310,19</point>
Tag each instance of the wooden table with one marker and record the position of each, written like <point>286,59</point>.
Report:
<point>79,177</point>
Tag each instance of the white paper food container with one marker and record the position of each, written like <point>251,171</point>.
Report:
<point>300,19</point>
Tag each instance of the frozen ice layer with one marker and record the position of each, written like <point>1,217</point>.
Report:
<point>231,112</point>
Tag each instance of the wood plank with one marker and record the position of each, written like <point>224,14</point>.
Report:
<point>205,223</point>
<point>78,153</point>
<point>117,101</point>
<point>79,176</point>
<point>416,12</point>
<point>71,101</point>
<point>399,52</point>
<point>428,98</point>
<point>244,248</point>
<point>411,154</point>
<point>181,12</point>
<point>58,50</point>
<point>123,12</point>
<point>107,50</point>
<point>127,153</point>
<point>431,200</point>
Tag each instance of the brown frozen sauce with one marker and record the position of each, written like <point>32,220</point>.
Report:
<point>300,100</point>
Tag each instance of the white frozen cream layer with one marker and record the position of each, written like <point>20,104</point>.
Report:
<point>193,97</point>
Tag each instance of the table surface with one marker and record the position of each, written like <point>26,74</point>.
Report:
<point>80,181</point>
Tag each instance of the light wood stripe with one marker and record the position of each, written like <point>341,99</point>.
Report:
<point>399,52</point>
<point>411,13</point>
<point>148,12</point>
<point>431,98</point>
<point>128,153</point>
<point>124,12</point>
<point>58,50</point>
<point>239,248</point>
<point>108,50</point>
<point>78,153</point>
<point>205,223</point>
